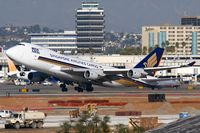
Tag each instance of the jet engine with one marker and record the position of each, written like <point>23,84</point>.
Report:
<point>136,73</point>
<point>37,76</point>
<point>93,75</point>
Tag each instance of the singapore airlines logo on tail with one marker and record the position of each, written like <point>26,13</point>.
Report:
<point>151,61</point>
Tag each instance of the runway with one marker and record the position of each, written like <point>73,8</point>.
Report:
<point>12,90</point>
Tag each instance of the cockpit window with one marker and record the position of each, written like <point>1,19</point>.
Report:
<point>21,44</point>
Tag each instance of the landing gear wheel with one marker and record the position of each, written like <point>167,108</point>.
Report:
<point>90,89</point>
<point>7,126</point>
<point>17,125</point>
<point>33,125</point>
<point>76,88</point>
<point>79,89</point>
<point>64,89</point>
<point>39,125</point>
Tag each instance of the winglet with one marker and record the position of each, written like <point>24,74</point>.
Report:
<point>191,64</point>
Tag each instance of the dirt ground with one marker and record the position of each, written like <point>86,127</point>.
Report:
<point>172,105</point>
<point>138,103</point>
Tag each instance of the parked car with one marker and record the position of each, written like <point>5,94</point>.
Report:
<point>5,113</point>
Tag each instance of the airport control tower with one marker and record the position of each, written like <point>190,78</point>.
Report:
<point>90,27</point>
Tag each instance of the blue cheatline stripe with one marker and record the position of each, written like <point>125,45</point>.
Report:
<point>59,62</point>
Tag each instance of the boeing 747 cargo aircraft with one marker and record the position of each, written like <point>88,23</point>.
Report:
<point>74,71</point>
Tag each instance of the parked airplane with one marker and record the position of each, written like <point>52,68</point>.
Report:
<point>71,70</point>
<point>154,82</point>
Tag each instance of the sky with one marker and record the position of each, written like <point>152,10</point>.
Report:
<point>121,15</point>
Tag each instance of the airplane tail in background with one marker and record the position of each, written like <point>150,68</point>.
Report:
<point>151,60</point>
<point>11,68</point>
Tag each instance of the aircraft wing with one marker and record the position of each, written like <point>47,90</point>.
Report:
<point>158,79</point>
<point>168,67</point>
<point>122,71</point>
<point>105,71</point>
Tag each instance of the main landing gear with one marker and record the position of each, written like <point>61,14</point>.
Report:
<point>87,87</point>
<point>63,87</point>
<point>80,88</point>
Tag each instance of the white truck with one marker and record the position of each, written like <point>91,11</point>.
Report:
<point>5,113</point>
<point>32,119</point>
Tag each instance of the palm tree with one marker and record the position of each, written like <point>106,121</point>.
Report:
<point>144,50</point>
<point>80,127</point>
<point>150,49</point>
<point>65,128</point>
<point>138,50</point>
<point>96,119</point>
<point>177,46</point>
<point>167,43</point>
<point>73,52</point>
<point>183,46</point>
<point>163,45</point>
<point>62,51</point>
<point>120,128</point>
<point>104,124</point>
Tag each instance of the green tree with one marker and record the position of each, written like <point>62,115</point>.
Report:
<point>82,124</point>
<point>65,128</point>
<point>80,127</point>
<point>104,124</point>
<point>177,46</point>
<point>138,130</point>
<point>167,43</point>
<point>138,50</point>
<point>96,119</point>
<point>163,45</point>
<point>82,51</point>
<point>62,51</point>
<point>129,51</point>
<point>150,49</point>
<point>144,50</point>
<point>46,30</point>
<point>120,128</point>
<point>72,52</point>
<point>156,46</point>
<point>183,46</point>
<point>91,51</point>
<point>35,29</point>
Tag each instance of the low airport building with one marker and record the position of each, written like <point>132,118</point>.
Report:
<point>65,43</point>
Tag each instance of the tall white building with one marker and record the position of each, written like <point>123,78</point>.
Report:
<point>60,42</point>
<point>184,38</point>
<point>90,26</point>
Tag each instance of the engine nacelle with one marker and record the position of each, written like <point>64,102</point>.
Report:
<point>93,75</point>
<point>136,73</point>
<point>37,76</point>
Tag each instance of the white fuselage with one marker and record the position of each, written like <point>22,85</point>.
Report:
<point>33,57</point>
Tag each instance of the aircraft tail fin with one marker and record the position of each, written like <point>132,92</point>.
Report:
<point>11,67</point>
<point>151,60</point>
